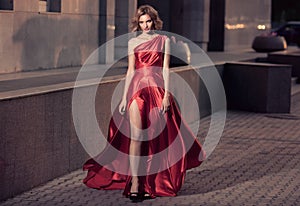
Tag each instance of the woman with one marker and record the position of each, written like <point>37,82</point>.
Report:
<point>148,126</point>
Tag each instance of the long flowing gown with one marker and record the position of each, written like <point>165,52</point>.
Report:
<point>170,148</point>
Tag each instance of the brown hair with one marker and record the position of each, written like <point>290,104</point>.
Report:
<point>142,10</point>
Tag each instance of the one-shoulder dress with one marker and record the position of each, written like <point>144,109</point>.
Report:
<point>169,148</point>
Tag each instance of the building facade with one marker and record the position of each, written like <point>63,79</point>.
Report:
<point>46,34</point>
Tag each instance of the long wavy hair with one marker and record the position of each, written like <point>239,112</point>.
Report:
<point>142,10</point>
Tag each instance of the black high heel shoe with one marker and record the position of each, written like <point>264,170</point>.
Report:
<point>135,197</point>
<point>146,196</point>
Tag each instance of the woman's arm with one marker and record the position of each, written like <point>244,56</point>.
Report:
<point>129,74</point>
<point>128,78</point>
<point>166,63</point>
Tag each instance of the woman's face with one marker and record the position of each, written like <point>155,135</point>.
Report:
<point>145,23</point>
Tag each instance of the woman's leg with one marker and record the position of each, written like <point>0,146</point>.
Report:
<point>135,145</point>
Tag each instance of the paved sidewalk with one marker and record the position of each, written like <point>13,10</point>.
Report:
<point>257,162</point>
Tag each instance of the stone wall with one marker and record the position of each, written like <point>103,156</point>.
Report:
<point>38,140</point>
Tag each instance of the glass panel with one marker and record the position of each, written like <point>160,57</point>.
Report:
<point>6,4</point>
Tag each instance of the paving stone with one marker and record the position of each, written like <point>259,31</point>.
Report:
<point>257,162</point>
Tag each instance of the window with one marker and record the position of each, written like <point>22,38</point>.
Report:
<point>50,5</point>
<point>6,4</point>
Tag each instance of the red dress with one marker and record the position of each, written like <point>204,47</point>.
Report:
<point>170,148</point>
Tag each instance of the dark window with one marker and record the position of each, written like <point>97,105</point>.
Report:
<point>6,4</point>
<point>50,5</point>
<point>55,6</point>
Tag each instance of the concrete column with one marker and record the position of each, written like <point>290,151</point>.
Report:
<point>132,6</point>
<point>124,11</point>
<point>191,20</point>
<point>106,30</point>
<point>216,26</point>
<point>110,30</point>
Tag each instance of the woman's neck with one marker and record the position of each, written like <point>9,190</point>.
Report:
<point>147,35</point>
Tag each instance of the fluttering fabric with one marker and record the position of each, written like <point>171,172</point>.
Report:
<point>168,148</point>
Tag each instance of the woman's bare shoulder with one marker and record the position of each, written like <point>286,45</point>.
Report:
<point>133,41</point>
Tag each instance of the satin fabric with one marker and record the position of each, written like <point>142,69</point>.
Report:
<point>162,175</point>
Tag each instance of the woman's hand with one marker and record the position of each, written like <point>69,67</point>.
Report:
<point>165,105</point>
<point>122,106</point>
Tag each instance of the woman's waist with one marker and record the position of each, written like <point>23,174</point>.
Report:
<point>146,75</point>
<point>149,70</point>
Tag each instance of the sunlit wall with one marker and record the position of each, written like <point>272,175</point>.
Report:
<point>32,36</point>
